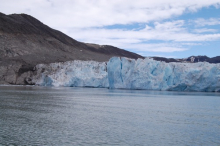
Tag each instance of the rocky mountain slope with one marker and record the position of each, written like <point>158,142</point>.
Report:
<point>26,42</point>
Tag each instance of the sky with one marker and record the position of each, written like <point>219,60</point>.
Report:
<point>165,28</point>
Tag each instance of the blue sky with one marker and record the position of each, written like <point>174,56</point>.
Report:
<point>167,28</point>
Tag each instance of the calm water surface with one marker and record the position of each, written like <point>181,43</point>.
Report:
<point>89,116</point>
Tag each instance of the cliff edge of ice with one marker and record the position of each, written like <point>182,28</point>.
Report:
<point>125,73</point>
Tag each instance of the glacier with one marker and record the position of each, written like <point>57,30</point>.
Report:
<point>125,73</point>
<point>72,74</point>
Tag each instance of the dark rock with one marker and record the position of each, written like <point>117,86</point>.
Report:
<point>165,59</point>
<point>191,59</point>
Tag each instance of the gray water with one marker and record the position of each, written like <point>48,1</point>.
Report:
<point>89,116</point>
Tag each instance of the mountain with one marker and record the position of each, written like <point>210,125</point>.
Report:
<point>25,38</point>
<point>26,42</point>
<point>191,59</point>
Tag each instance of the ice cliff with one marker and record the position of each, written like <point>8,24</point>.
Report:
<point>131,74</point>
<point>72,74</point>
<point>156,75</point>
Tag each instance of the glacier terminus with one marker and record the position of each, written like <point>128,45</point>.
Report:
<point>125,73</point>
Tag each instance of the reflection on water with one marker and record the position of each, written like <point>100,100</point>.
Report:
<point>90,116</point>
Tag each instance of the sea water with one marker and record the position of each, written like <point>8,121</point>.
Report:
<point>93,116</point>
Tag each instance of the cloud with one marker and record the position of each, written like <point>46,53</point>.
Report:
<point>98,13</point>
<point>205,30</point>
<point>165,31</point>
<point>203,22</point>
<point>174,33</point>
<point>160,47</point>
<point>170,26</point>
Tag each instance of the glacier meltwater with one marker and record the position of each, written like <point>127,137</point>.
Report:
<point>125,73</point>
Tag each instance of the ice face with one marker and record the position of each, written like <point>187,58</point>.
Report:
<point>155,75</point>
<point>132,74</point>
<point>72,74</point>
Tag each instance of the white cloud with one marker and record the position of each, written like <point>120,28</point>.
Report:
<point>166,31</point>
<point>205,30</point>
<point>93,13</point>
<point>204,22</point>
<point>171,26</point>
<point>129,39</point>
<point>160,47</point>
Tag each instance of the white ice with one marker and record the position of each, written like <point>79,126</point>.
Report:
<point>127,73</point>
